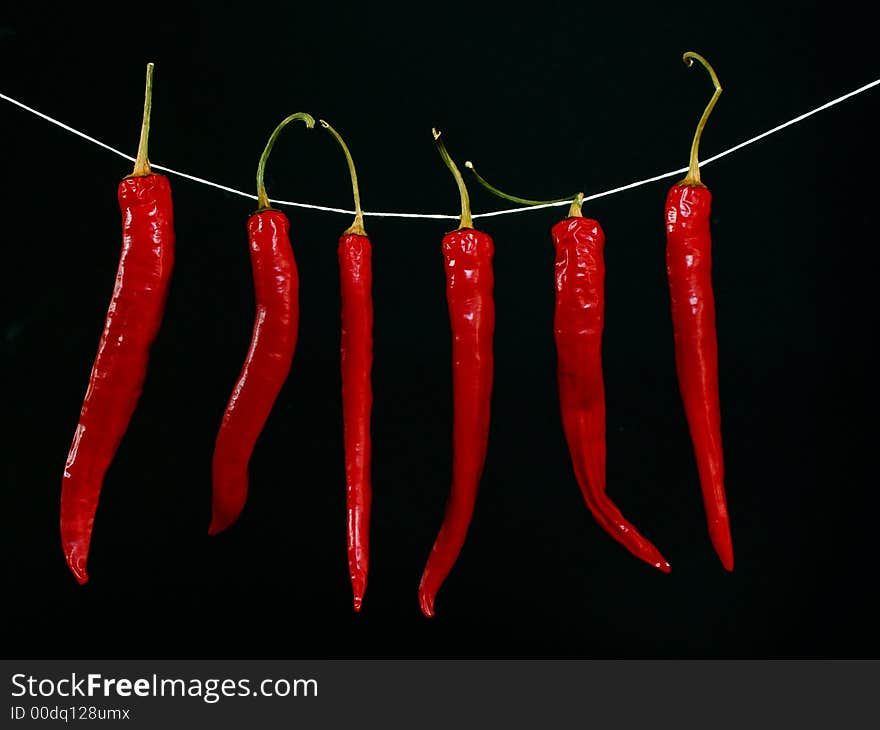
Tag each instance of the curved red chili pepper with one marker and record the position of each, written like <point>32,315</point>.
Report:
<point>578,324</point>
<point>269,357</point>
<point>268,361</point>
<point>356,354</point>
<point>689,269</point>
<point>469,285</point>
<point>120,367</point>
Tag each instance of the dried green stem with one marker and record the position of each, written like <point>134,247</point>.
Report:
<point>466,219</point>
<point>142,163</point>
<point>357,227</point>
<point>575,210</point>
<point>262,197</point>
<point>693,176</point>
<point>506,196</point>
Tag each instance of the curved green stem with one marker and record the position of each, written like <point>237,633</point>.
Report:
<point>262,197</point>
<point>512,198</point>
<point>142,163</point>
<point>466,219</point>
<point>693,176</point>
<point>356,228</point>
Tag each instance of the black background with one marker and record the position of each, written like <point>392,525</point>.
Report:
<point>546,99</point>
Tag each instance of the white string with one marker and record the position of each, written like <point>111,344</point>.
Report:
<point>507,211</point>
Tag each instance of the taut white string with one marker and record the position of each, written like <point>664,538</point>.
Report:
<point>507,211</point>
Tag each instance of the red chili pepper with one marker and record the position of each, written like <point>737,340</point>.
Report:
<point>578,324</point>
<point>689,268</point>
<point>267,364</point>
<point>469,281</point>
<point>120,368</point>
<point>356,282</point>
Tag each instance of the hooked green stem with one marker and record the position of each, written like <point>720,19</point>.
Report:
<point>142,163</point>
<point>356,228</point>
<point>262,197</point>
<point>574,211</point>
<point>693,176</point>
<point>466,219</point>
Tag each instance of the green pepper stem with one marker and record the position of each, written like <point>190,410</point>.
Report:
<point>506,196</point>
<point>693,176</point>
<point>466,219</point>
<point>142,163</point>
<point>575,210</point>
<point>262,197</point>
<point>356,228</point>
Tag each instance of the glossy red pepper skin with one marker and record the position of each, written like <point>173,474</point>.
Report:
<point>578,324</point>
<point>356,348</point>
<point>689,269</point>
<point>266,366</point>
<point>120,367</point>
<point>469,293</point>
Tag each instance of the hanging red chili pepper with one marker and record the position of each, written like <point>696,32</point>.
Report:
<point>120,368</point>
<point>356,282</point>
<point>469,281</point>
<point>267,364</point>
<point>689,269</point>
<point>578,324</point>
